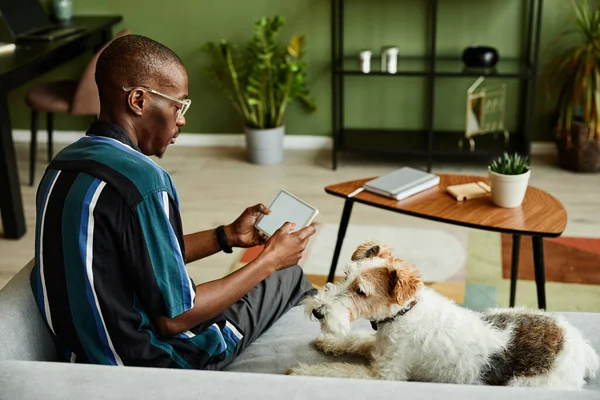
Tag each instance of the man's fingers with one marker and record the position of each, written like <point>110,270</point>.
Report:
<point>260,208</point>
<point>288,227</point>
<point>307,232</point>
<point>262,237</point>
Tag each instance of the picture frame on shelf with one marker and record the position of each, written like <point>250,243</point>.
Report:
<point>485,112</point>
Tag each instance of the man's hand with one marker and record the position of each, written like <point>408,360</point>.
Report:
<point>242,233</point>
<point>285,249</point>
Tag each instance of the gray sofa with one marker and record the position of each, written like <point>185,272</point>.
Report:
<point>29,367</point>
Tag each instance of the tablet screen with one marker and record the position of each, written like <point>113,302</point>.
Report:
<point>286,208</point>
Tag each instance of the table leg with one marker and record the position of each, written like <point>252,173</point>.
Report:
<point>514,269</point>
<point>540,274</point>
<point>11,204</point>
<point>340,239</point>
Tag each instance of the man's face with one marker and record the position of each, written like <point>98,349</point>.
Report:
<point>160,126</point>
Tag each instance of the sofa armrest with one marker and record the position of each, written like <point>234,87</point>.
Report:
<point>50,380</point>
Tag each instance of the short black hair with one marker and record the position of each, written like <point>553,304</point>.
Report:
<point>132,60</point>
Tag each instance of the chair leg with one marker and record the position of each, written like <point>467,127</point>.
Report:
<point>50,129</point>
<point>33,146</point>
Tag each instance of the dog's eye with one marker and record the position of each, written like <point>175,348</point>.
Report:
<point>360,292</point>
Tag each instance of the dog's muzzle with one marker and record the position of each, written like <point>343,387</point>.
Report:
<point>318,313</point>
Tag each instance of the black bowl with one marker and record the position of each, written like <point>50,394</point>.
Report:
<point>480,57</point>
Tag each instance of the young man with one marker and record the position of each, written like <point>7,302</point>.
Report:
<point>109,275</point>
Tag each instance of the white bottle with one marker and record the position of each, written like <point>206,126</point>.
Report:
<point>365,61</point>
<point>389,59</point>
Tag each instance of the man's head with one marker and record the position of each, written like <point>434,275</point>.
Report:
<point>133,74</point>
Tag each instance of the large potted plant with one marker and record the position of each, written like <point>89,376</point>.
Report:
<point>261,79</point>
<point>509,177</point>
<point>574,79</point>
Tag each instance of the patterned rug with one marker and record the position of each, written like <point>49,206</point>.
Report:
<point>567,259</point>
<point>470,267</point>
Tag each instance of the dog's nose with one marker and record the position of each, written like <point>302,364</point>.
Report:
<point>318,313</point>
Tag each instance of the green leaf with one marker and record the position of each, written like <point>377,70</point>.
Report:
<point>509,164</point>
<point>572,78</point>
<point>261,77</point>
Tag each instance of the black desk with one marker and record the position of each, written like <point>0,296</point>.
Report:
<point>29,61</point>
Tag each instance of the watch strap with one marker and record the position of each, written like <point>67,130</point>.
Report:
<point>222,240</point>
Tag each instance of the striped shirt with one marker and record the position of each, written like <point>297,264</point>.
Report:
<point>109,257</point>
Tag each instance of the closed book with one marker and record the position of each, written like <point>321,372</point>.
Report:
<point>402,183</point>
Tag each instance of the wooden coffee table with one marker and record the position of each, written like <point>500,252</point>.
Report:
<point>541,215</point>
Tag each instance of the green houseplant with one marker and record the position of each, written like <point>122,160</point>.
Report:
<point>573,82</point>
<point>261,79</point>
<point>509,176</point>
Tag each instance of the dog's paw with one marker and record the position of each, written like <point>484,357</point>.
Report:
<point>329,345</point>
<point>301,369</point>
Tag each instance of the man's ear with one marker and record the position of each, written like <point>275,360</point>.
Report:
<point>136,100</point>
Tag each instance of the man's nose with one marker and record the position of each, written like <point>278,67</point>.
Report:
<point>318,313</point>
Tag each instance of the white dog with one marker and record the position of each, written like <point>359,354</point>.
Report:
<point>423,336</point>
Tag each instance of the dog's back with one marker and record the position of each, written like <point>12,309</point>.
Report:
<point>543,350</point>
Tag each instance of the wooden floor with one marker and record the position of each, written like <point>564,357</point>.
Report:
<point>215,185</point>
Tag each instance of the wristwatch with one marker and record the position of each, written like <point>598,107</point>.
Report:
<point>222,239</point>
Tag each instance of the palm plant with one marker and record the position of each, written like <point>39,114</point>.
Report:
<point>261,79</point>
<point>574,73</point>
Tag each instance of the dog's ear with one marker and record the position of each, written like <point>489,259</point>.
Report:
<point>404,281</point>
<point>371,249</point>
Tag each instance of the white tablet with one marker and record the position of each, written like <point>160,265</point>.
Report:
<point>286,208</point>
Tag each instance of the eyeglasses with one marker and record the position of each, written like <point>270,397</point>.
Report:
<point>185,103</point>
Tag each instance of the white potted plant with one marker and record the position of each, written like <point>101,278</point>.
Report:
<point>509,176</point>
<point>261,80</point>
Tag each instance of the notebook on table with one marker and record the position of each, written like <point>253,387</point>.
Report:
<point>402,183</point>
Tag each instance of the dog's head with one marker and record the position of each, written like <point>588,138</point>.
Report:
<point>376,286</point>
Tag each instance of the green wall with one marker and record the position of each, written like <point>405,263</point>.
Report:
<point>184,25</point>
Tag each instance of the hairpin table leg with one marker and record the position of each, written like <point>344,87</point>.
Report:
<point>514,269</point>
<point>340,239</point>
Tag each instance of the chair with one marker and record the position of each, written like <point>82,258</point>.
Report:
<point>66,96</point>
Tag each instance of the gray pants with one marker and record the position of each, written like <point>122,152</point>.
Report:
<point>262,306</point>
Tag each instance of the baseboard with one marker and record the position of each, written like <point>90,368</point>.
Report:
<point>543,148</point>
<point>191,139</point>
<point>235,140</point>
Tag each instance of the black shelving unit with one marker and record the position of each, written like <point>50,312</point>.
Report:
<point>432,68</point>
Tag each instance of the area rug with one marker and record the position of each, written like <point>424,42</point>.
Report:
<point>467,266</point>
<point>566,259</point>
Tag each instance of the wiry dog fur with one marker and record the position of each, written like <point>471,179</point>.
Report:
<point>423,336</point>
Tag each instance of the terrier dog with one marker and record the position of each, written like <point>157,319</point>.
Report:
<point>423,336</point>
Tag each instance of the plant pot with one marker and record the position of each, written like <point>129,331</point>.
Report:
<point>508,191</point>
<point>582,154</point>
<point>265,146</point>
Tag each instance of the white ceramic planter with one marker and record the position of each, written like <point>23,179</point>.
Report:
<point>265,146</point>
<point>508,190</point>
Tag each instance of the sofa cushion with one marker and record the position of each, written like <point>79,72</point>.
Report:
<point>25,335</point>
<point>289,341</point>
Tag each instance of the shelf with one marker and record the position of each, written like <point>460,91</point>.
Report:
<point>445,144</point>
<point>406,67</point>
<point>434,64</point>
<point>508,68</point>
<point>444,67</point>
